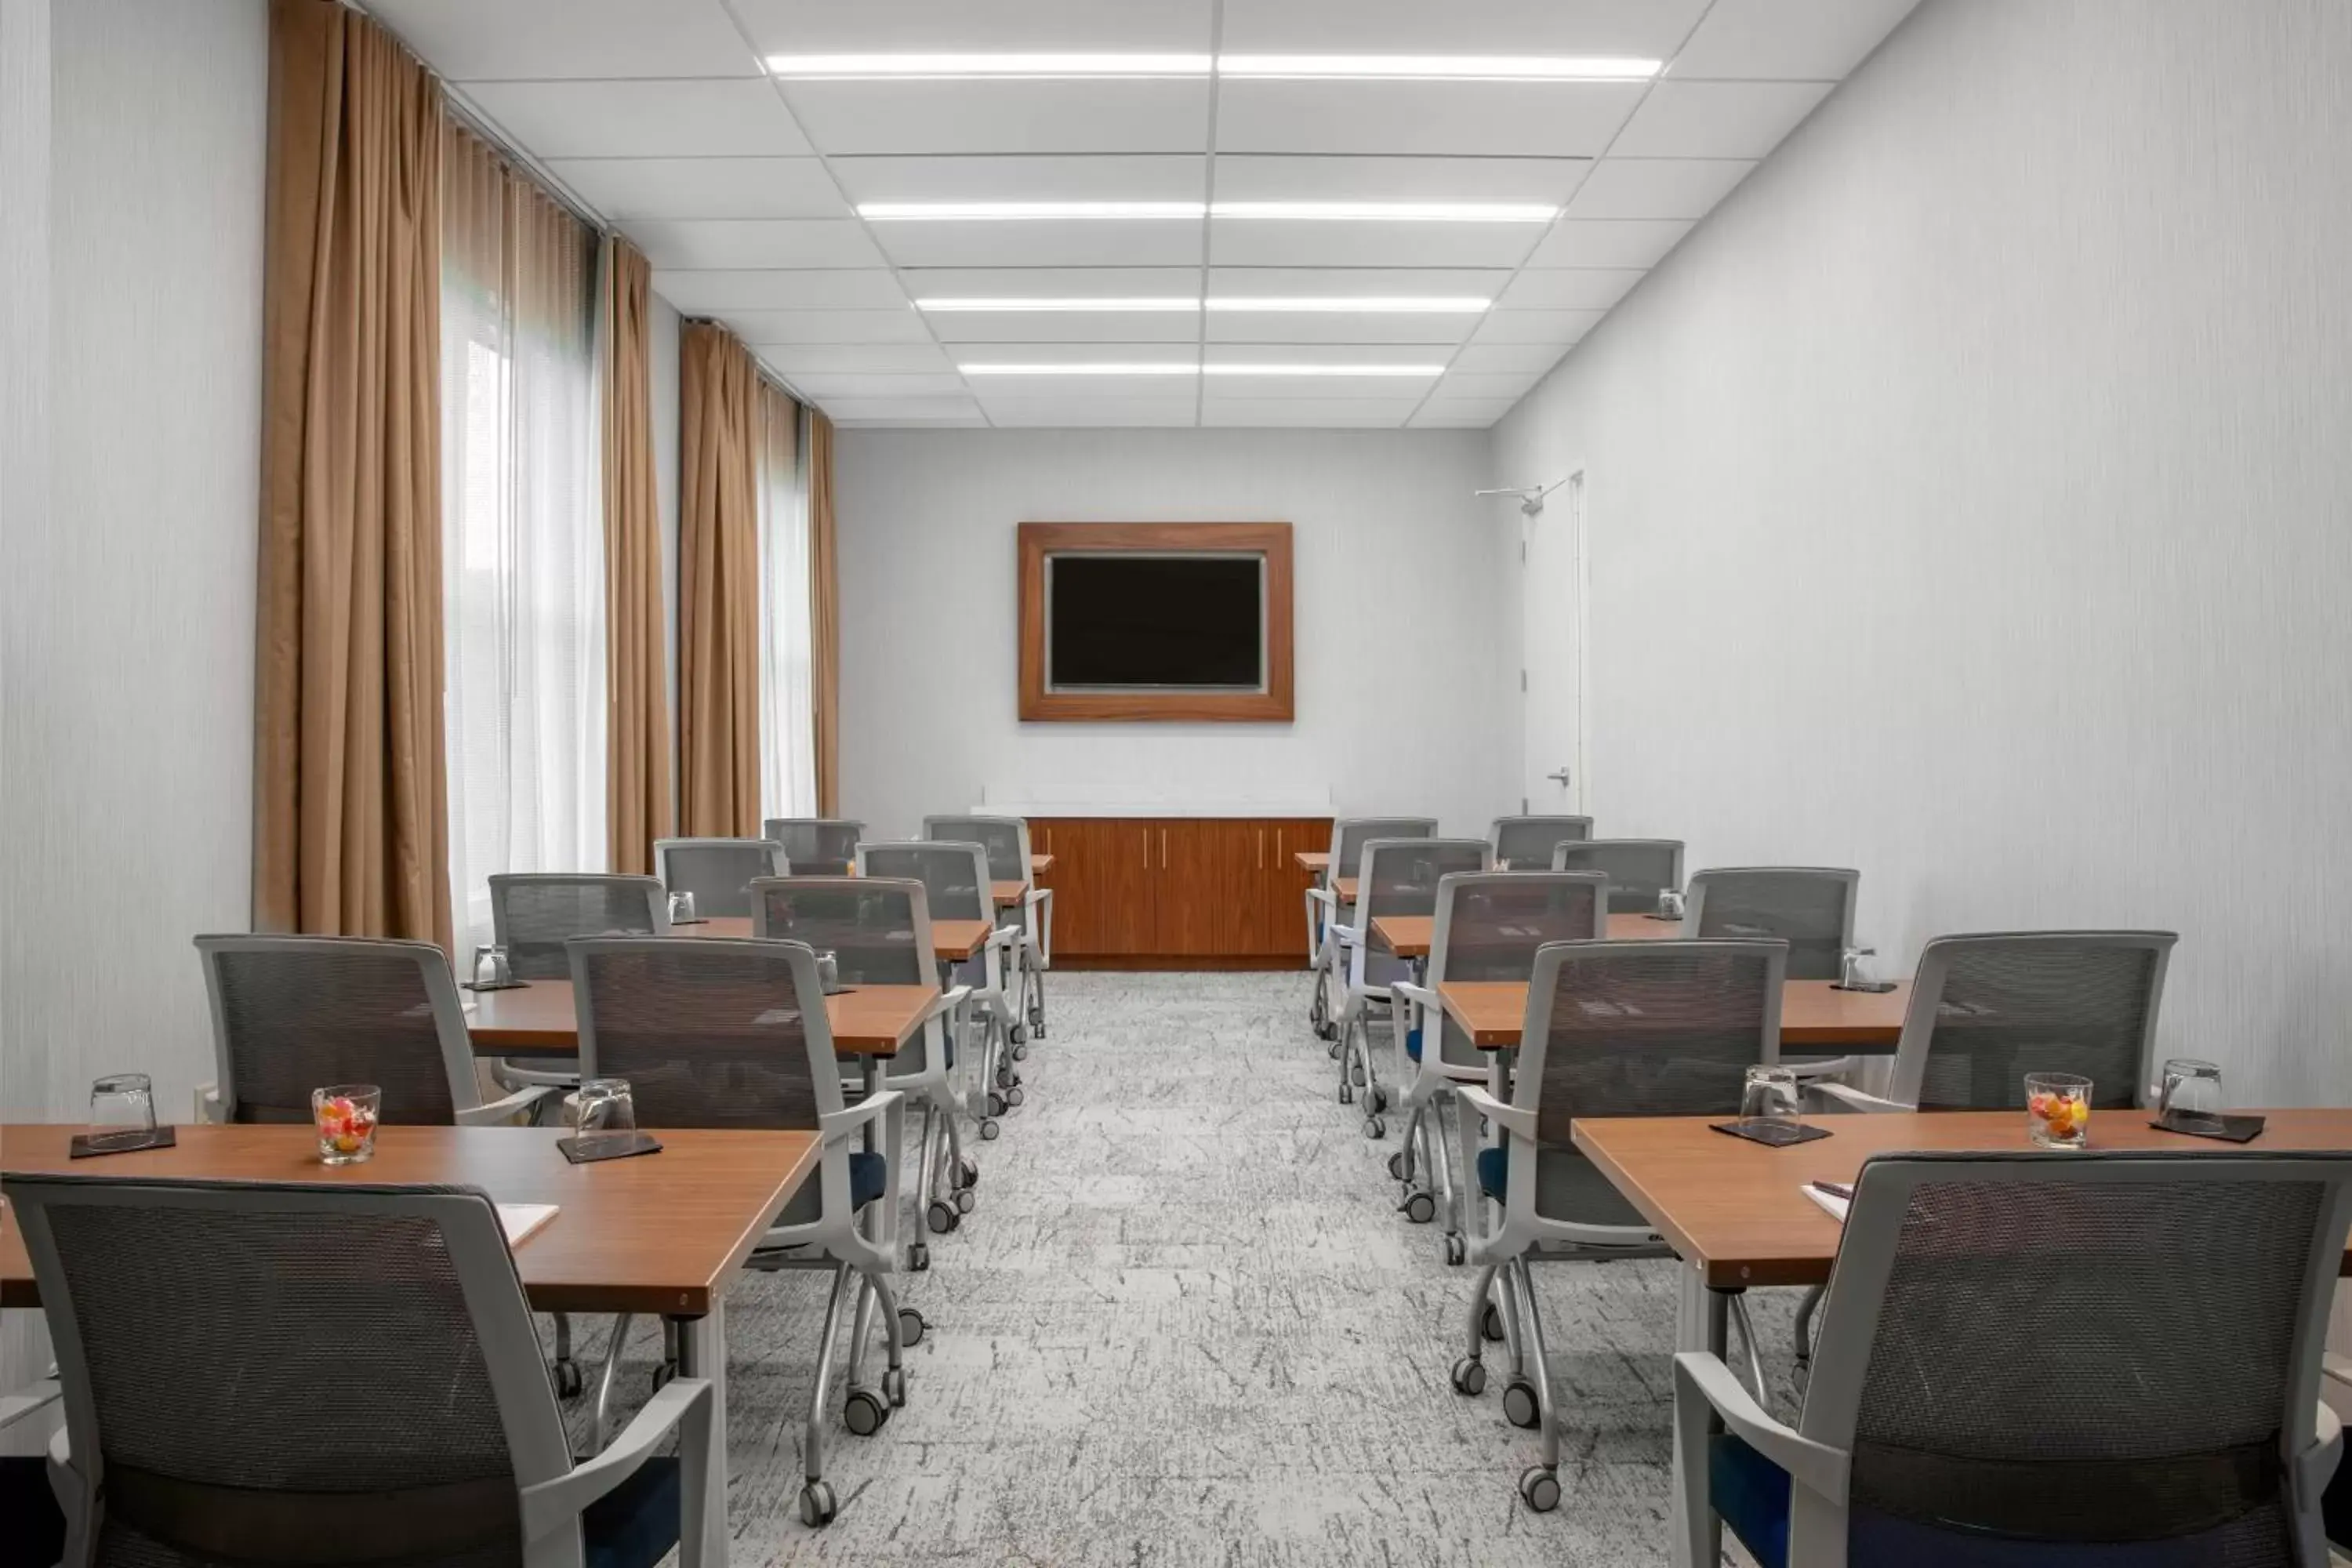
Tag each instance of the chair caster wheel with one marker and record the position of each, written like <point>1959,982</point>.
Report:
<point>1005,1078</point>
<point>1037,1029</point>
<point>941,1216</point>
<point>1470,1376</point>
<point>864,1412</point>
<point>817,1505</point>
<point>1490,1325</point>
<point>988,1130</point>
<point>1356,1074</point>
<point>1333,1049</point>
<point>894,1387</point>
<point>569,1383</point>
<point>1347,1095</point>
<point>1539,1489</point>
<point>1326,1029</point>
<point>1420,1208</point>
<point>918,1257</point>
<point>1016,1095</point>
<point>1396,1166</point>
<point>1374,1127</point>
<point>964,1200</point>
<point>1520,1408</point>
<point>910,1328</point>
<point>662,1374</point>
<point>997,1105</point>
<point>1017,1034</point>
<point>1455,1251</point>
<point>1379,1099</point>
<point>1019,1053</point>
<point>967,1173</point>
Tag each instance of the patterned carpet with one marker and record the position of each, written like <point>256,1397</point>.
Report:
<point>1186,1325</point>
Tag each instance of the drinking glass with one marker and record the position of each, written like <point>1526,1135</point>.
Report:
<point>122,1110</point>
<point>606,1111</point>
<point>1767,1100</point>
<point>490,966</point>
<point>828,972</point>
<point>681,908</point>
<point>2191,1095</point>
<point>345,1115</point>
<point>1670,903</point>
<point>1853,967</point>
<point>2058,1110</point>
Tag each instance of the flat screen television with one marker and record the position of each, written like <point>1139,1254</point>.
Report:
<point>1153,621</point>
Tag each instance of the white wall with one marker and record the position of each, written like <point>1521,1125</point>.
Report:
<point>1970,500</point>
<point>1398,669</point>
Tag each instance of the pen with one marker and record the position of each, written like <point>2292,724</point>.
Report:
<point>1835,1190</point>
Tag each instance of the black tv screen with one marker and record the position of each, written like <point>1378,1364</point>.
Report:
<point>1138,619</point>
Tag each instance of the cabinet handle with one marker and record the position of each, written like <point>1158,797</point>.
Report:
<point>1261,848</point>
<point>1146,849</point>
<point>1163,849</point>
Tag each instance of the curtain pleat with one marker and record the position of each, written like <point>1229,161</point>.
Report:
<point>350,811</point>
<point>637,732</point>
<point>718,586</point>
<point>825,617</point>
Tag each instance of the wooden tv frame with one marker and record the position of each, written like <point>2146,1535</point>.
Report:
<point>1275,705</point>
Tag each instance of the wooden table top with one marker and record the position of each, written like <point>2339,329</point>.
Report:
<point>1814,1013</point>
<point>1738,1208</point>
<point>1311,859</point>
<point>1040,864</point>
<point>659,1233</point>
<point>953,942</point>
<point>1409,936</point>
<point>538,1019</point>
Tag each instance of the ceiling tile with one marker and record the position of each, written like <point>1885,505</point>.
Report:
<point>1274,390</point>
<point>902,387</point>
<point>1330,413</point>
<point>1330,353</point>
<point>1043,177</point>
<point>1717,119</point>
<point>640,119</point>
<point>1644,29</point>
<point>1272,177</point>
<point>1601,242</point>
<point>760,328</point>
<point>1154,115</point>
<point>1342,282</point>
<point>1054,282</point>
<point>1569,288</point>
<point>903,410</point>
<point>467,40</point>
<point>1309,242</point>
<point>1656,187</point>
<point>1795,40</point>
<point>1055,352</point>
<point>993,327</point>
<point>1111,412</point>
<point>621,188</point>
<point>1435,415</point>
<point>1438,332</point>
<point>1043,242</point>
<point>834,26</point>
<point>806,289</point>
<point>678,244</point>
<point>1540,119</point>
<point>1459,387</point>
<point>812,359</point>
<point>1561,326</point>
<point>1499,358</point>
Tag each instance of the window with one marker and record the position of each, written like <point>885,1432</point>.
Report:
<point>522,535</point>
<point>787,660</point>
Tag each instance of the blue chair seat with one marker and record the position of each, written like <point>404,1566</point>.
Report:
<point>1495,1171</point>
<point>635,1524</point>
<point>1750,1492</point>
<point>1413,1044</point>
<point>868,1174</point>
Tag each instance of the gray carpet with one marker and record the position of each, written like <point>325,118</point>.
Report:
<point>1185,1324</point>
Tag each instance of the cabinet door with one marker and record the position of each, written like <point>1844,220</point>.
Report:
<point>1106,873</point>
<point>1283,887</point>
<point>1208,899</point>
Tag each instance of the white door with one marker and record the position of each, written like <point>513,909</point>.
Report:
<point>1551,653</point>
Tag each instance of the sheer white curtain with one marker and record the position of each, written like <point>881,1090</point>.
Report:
<point>787,662</point>
<point>523,546</point>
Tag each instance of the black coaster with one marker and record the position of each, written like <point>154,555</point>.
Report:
<point>509,985</point>
<point>2228,1129</point>
<point>1772,1137</point>
<point>607,1146</point>
<point>697,920</point>
<point>839,990</point>
<point>1668,920</point>
<point>1875,988</point>
<point>89,1145</point>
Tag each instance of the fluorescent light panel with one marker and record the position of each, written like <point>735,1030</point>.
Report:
<point>1321,67</point>
<point>1186,368</point>
<point>1343,212</point>
<point>1397,306</point>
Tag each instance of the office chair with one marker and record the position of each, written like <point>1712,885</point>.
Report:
<point>2111,1357</point>
<point>718,871</point>
<point>345,1366</point>
<point>1489,927</point>
<point>956,888</point>
<point>1809,908</point>
<point>1638,870</point>
<point>1393,877</point>
<point>1613,1028</point>
<point>533,914</point>
<point>816,845</point>
<point>734,1033</point>
<point>1324,909</point>
<point>1526,843</point>
<point>879,929</point>
<point>1006,840</point>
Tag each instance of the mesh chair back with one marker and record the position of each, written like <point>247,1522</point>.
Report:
<point>204,1330</point>
<point>1987,1010</point>
<point>1350,833</point>
<point>1526,843</point>
<point>816,845</point>
<point>533,915</point>
<point>1809,908</point>
<point>1639,1028</point>
<point>719,871</point>
<point>1638,868</point>
<point>715,1033</point>
<point>1399,876</point>
<point>1490,923</point>
<point>295,1013</point>
<point>1006,840</point>
<point>954,875</point>
<point>878,929</point>
<point>2178,1302</point>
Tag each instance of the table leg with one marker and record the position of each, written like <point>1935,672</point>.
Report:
<point>869,1079</point>
<point>702,1352</point>
<point>1699,1325</point>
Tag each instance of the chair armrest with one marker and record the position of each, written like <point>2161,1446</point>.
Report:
<point>1323,896</point>
<point>1347,936</point>
<point>953,999</point>
<point>1509,1117</point>
<point>1819,1468</point>
<point>498,1110</point>
<point>16,1406</point>
<point>1853,1099</point>
<point>2315,1465</point>
<point>554,1504</point>
<point>835,1125</point>
<point>1829,1068</point>
<point>210,1111</point>
<point>1419,995</point>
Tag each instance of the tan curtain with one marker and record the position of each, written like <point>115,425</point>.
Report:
<point>637,732</point>
<point>718,585</point>
<point>824,615</point>
<point>350,816</point>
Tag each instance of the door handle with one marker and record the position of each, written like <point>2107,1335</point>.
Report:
<point>1561,777</point>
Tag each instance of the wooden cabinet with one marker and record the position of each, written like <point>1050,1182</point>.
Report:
<point>1178,893</point>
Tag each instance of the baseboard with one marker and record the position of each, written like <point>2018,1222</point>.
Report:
<point>1162,962</point>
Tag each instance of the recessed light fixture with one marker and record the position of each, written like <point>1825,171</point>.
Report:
<point>1230,369</point>
<point>1392,211</point>
<point>1108,306</point>
<point>1440,67</point>
<point>1342,212</point>
<point>1395,306</point>
<point>1177,368</point>
<point>871,67</point>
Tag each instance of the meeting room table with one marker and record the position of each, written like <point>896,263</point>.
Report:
<point>660,1235</point>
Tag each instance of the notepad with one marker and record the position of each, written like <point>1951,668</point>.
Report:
<point>521,1219</point>
<point>1834,1206</point>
